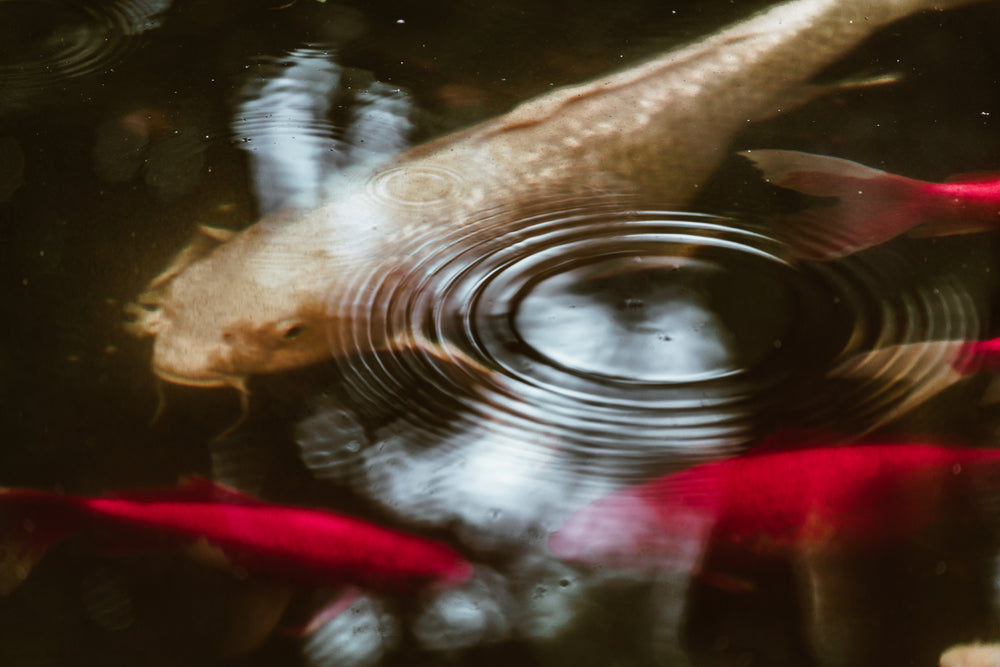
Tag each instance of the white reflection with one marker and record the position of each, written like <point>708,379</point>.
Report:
<point>616,320</point>
<point>357,637</point>
<point>495,492</point>
<point>143,15</point>
<point>283,119</point>
<point>476,614</point>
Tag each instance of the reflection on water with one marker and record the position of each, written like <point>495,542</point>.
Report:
<point>600,323</point>
<point>47,45</point>
<point>551,383</point>
<point>283,118</point>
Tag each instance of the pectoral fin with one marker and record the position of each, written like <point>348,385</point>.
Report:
<point>205,240</point>
<point>809,92</point>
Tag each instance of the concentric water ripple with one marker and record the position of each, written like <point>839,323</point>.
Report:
<point>627,342</point>
<point>46,44</point>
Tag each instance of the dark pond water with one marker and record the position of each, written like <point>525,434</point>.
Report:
<point>590,347</point>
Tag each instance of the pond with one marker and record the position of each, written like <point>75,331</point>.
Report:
<point>600,393</point>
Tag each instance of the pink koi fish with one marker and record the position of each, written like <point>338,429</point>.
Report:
<point>873,206</point>
<point>286,544</point>
<point>771,503</point>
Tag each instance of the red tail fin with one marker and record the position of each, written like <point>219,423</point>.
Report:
<point>30,523</point>
<point>874,206</point>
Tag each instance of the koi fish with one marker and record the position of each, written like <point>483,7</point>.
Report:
<point>771,503</point>
<point>283,544</point>
<point>232,305</point>
<point>873,206</point>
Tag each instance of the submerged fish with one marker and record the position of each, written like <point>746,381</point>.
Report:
<point>874,206</point>
<point>283,544</point>
<point>771,503</point>
<point>230,306</point>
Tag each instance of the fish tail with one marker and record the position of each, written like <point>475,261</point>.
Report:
<point>872,206</point>
<point>31,522</point>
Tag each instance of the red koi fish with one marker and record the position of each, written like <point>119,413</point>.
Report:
<point>771,503</point>
<point>286,544</point>
<point>873,206</point>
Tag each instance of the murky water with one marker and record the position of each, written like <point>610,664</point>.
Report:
<point>498,376</point>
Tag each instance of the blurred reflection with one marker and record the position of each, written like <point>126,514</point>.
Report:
<point>636,322</point>
<point>777,539</point>
<point>286,117</point>
<point>166,147</point>
<point>971,655</point>
<point>49,44</point>
<point>359,636</point>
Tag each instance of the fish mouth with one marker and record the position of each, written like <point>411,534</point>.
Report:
<point>234,381</point>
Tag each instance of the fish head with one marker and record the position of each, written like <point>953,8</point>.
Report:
<point>227,310</point>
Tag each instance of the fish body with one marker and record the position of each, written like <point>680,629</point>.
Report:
<point>287,544</point>
<point>773,503</point>
<point>873,206</point>
<point>259,302</point>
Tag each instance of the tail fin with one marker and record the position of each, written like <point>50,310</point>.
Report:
<point>30,523</point>
<point>874,206</point>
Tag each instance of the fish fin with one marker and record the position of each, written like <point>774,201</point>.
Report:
<point>925,369</point>
<point>991,395</point>
<point>205,240</point>
<point>319,616</point>
<point>817,175</point>
<point>874,206</point>
<point>906,361</point>
<point>417,341</point>
<point>951,227</point>
<point>809,92</point>
<point>30,523</point>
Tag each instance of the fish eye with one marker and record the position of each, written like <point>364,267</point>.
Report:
<point>293,331</point>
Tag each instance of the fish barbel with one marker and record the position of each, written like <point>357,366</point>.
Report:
<point>233,305</point>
